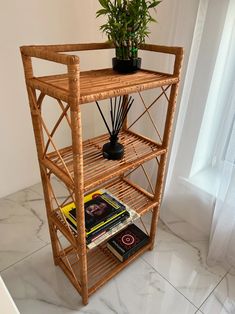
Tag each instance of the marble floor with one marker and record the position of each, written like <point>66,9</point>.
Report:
<point>172,279</point>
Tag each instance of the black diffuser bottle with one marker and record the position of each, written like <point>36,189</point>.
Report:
<point>118,111</point>
<point>113,150</point>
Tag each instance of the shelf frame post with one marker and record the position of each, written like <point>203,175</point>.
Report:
<point>77,148</point>
<point>40,146</point>
<point>159,187</point>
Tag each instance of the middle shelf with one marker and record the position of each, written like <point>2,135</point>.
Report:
<point>98,170</point>
<point>132,195</point>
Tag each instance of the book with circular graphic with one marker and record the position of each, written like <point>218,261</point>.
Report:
<point>127,242</point>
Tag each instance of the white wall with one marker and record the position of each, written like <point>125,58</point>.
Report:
<point>24,23</point>
<point>57,21</point>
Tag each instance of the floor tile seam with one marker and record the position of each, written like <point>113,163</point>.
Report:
<point>22,259</point>
<point>29,188</point>
<point>190,245</point>
<point>197,308</point>
<point>213,290</point>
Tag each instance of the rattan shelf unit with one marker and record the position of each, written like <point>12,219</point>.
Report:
<point>81,167</point>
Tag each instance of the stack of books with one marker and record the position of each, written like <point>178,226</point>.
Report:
<point>102,213</point>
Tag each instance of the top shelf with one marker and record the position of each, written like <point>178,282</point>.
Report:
<point>102,84</point>
<point>89,86</point>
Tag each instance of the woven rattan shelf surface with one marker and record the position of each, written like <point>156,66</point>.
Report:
<point>133,196</point>
<point>97,169</point>
<point>102,84</point>
<point>102,265</point>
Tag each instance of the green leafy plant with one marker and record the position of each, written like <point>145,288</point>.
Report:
<point>127,24</point>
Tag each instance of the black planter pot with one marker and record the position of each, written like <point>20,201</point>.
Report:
<point>126,66</point>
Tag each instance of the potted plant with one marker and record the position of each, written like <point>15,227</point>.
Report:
<point>127,27</point>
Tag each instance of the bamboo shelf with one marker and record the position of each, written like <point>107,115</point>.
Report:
<point>96,84</point>
<point>133,196</point>
<point>137,150</point>
<point>101,264</point>
<point>81,167</point>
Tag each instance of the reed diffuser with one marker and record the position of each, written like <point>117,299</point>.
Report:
<point>119,107</point>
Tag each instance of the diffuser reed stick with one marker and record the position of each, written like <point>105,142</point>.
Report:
<point>119,108</point>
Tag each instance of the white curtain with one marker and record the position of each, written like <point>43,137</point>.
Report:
<point>222,236</point>
<point>199,200</point>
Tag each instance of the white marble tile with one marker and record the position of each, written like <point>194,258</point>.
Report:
<point>222,300</point>
<point>37,188</point>
<point>37,286</point>
<point>184,265</point>
<point>23,222</point>
<point>23,226</point>
<point>59,188</point>
<point>183,228</point>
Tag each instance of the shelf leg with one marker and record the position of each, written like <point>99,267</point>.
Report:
<point>79,197</point>
<point>153,229</point>
<point>49,210</point>
<point>163,161</point>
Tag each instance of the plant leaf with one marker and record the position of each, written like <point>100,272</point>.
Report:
<point>104,3</point>
<point>101,12</point>
<point>154,4</point>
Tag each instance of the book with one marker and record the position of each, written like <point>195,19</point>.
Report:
<point>114,229</point>
<point>101,208</point>
<point>102,212</point>
<point>93,235</point>
<point>127,242</point>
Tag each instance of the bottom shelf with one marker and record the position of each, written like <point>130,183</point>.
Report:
<point>102,266</point>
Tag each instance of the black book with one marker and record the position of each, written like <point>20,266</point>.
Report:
<point>127,242</point>
<point>93,235</point>
<point>100,210</point>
